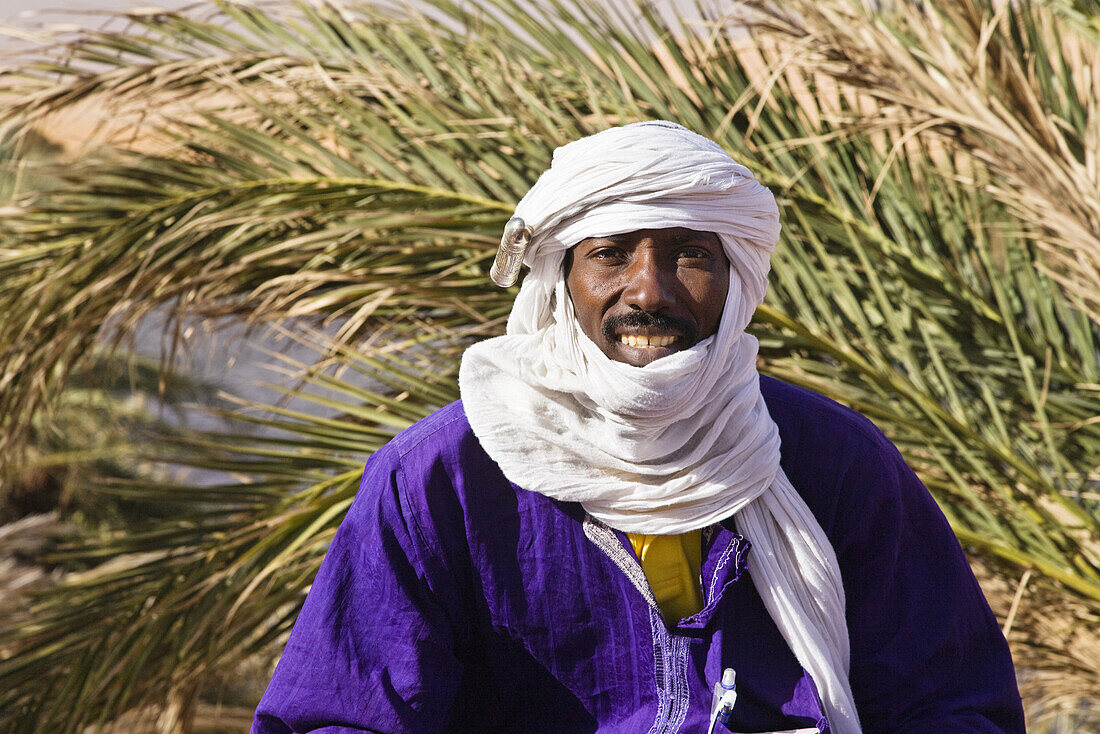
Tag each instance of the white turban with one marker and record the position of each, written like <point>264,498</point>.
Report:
<point>685,441</point>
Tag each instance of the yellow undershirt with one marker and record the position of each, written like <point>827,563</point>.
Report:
<point>671,563</point>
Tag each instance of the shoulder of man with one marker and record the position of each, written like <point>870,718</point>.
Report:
<point>443,436</point>
<point>842,465</point>
<point>804,414</point>
<point>446,428</point>
<point>438,459</point>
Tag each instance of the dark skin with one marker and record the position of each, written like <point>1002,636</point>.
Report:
<point>643,295</point>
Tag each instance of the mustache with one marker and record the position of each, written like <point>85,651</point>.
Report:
<point>612,325</point>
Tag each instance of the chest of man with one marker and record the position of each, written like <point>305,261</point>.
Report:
<point>563,633</point>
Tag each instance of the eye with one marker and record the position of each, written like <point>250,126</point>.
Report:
<point>694,252</point>
<point>606,254</point>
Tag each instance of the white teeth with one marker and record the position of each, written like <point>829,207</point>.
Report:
<point>633,340</point>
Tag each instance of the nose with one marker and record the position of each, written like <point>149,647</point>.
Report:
<point>650,282</point>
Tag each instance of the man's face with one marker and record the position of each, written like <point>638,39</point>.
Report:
<point>643,295</point>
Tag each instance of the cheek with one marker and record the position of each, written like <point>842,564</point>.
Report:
<point>587,302</point>
<point>710,300</point>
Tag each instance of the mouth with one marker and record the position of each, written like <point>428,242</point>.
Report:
<point>642,341</point>
<point>641,349</point>
<point>639,338</point>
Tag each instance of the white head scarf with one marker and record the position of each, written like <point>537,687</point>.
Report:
<point>686,440</point>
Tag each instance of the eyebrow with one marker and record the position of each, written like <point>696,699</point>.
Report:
<point>683,235</point>
<point>691,235</point>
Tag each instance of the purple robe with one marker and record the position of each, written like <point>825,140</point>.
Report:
<point>452,600</point>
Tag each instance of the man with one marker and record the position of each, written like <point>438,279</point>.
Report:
<point>621,513</point>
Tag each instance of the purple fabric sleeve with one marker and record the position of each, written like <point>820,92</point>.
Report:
<point>937,661</point>
<point>372,650</point>
<point>927,653</point>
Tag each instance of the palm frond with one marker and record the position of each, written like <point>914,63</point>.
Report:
<point>162,605</point>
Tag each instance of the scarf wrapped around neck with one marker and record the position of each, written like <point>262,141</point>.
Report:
<point>685,441</point>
